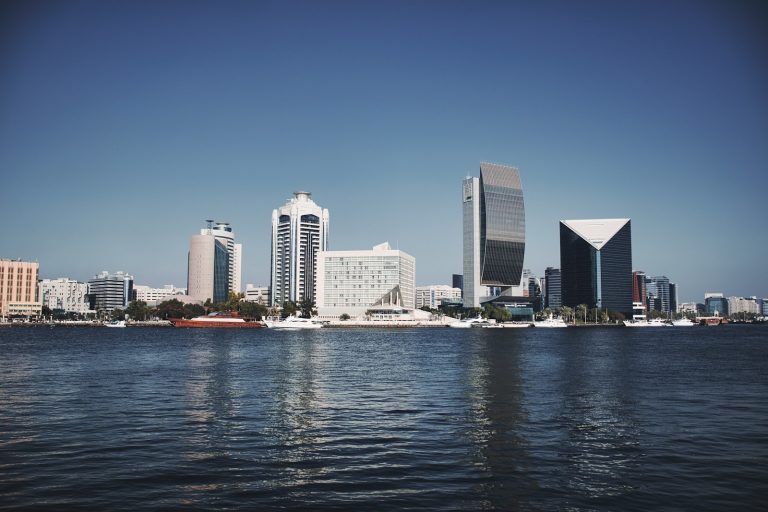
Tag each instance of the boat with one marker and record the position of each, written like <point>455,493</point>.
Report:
<point>219,319</point>
<point>656,322</point>
<point>116,323</point>
<point>551,323</point>
<point>469,322</point>
<point>683,322</point>
<point>295,323</point>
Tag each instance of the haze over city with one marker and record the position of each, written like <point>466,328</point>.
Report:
<point>123,126</point>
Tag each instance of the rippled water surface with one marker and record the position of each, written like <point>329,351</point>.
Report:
<point>438,419</point>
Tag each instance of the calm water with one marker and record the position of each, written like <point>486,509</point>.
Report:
<point>449,419</point>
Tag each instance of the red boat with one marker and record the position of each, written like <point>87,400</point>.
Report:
<point>219,319</point>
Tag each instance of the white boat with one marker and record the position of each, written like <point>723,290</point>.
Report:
<point>469,322</point>
<point>117,323</point>
<point>294,323</point>
<point>656,322</point>
<point>551,323</point>
<point>683,322</point>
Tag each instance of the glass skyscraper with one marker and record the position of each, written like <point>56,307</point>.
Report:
<point>494,231</point>
<point>596,264</point>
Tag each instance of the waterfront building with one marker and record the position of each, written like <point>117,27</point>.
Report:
<point>596,263</point>
<point>64,294</point>
<point>18,288</point>
<point>657,288</point>
<point>110,291</point>
<point>552,288</point>
<point>458,282</point>
<point>494,232</point>
<point>435,295</point>
<point>639,290</point>
<point>739,305</point>
<point>672,297</point>
<point>352,282</point>
<point>299,232</point>
<point>224,234</point>
<point>688,307</point>
<point>715,304</point>
<point>154,296</point>
<point>208,268</point>
<point>765,307</point>
<point>257,294</point>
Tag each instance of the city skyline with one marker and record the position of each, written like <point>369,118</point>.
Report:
<point>118,117</point>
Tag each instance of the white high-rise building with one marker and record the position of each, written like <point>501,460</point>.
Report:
<point>352,281</point>
<point>299,232</point>
<point>434,295</point>
<point>65,294</point>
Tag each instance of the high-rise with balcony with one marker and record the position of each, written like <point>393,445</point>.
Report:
<point>494,231</point>
<point>596,263</point>
<point>299,232</point>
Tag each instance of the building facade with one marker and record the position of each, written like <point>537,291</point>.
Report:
<point>596,264</point>
<point>299,233</point>
<point>18,288</point>
<point>493,231</point>
<point>257,294</point>
<point>715,304</point>
<point>110,291</point>
<point>639,291</point>
<point>352,282</point>
<point>208,268</point>
<point>154,296</point>
<point>224,234</point>
<point>658,293</point>
<point>552,288</point>
<point>64,294</point>
<point>434,295</point>
<point>744,305</point>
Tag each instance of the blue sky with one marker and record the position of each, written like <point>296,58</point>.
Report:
<point>124,125</point>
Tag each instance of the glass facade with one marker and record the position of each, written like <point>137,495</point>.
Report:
<point>220,272</point>
<point>598,278</point>
<point>553,294</point>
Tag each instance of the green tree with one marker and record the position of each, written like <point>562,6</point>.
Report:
<point>117,314</point>
<point>170,309</point>
<point>289,309</point>
<point>567,313</point>
<point>344,317</point>
<point>192,310</point>
<point>581,312</point>
<point>252,310</point>
<point>137,310</point>
<point>307,307</point>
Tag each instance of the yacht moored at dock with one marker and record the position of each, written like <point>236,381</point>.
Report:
<point>219,319</point>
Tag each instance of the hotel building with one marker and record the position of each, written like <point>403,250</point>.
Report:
<point>494,232</point>
<point>64,294</point>
<point>18,288</point>
<point>596,263</point>
<point>352,282</point>
<point>299,232</point>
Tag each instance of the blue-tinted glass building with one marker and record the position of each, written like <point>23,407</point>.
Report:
<point>494,231</point>
<point>553,298</point>
<point>596,264</point>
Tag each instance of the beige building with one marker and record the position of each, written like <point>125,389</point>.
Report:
<point>18,288</point>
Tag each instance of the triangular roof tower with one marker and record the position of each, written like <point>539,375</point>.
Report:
<point>596,232</point>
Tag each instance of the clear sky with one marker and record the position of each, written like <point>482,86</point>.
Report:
<point>124,125</point>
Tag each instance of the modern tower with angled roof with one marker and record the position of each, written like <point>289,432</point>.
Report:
<point>596,263</point>
<point>494,231</point>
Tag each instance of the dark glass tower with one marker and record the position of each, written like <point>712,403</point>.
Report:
<point>596,264</point>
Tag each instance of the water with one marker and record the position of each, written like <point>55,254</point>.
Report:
<point>437,419</point>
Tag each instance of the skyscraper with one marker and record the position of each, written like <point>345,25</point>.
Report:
<point>658,290</point>
<point>494,231</point>
<point>552,292</point>
<point>299,232</point>
<point>223,233</point>
<point>208,267</point>
<point>639,291</point>
<point>596,263</point>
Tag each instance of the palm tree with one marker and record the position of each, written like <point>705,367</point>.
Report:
<point>566,312</point>
<point>581,311</point>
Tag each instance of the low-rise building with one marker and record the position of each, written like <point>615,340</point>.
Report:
<point>257,294</point>
<point>434,295</point>
<point>110,291</point>
<point>64,294</point>
<point>154,296</point>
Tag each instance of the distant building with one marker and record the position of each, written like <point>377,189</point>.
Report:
<point>64,294</point>
<point>434,295</point>
<point>208,268</point>
<point>672,297</point>
<point>639,290</point>
<point>352,282</point>
<point>458,282</point>
<point>552,288</point>
<point>738,305</point>
<point>715,304</point>
<point>223,233</point>
<point>110,291</point>
<point>658,293</point>
<point>688,307</point>
<point>257,294</point>
<point>494,231</point>
<point>299,232</point>
<point>18,288</point>
<point>154,296</point>
<point>596,263</point>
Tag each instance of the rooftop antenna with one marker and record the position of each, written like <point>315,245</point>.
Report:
<point>210,223</point>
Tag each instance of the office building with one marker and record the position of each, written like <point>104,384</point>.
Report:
<point>299,232</point>
<point>672,297</point>
<point>639,290</point>
<point>351,282</point>
<point>208,268</point>
<point>743,305</point>
<point>436,295</point>
<point>110,291</point>
<point>552,288</point>
<point>257,294</point>
<point>494,232</point>
<point>596,264</point>
<point>64,294</point>
<point>658,293</point>
<point>715,304</point>
<point>224,234</point>
<point>458,281</point>
<point>18,288</point>
<point>154,296</point>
